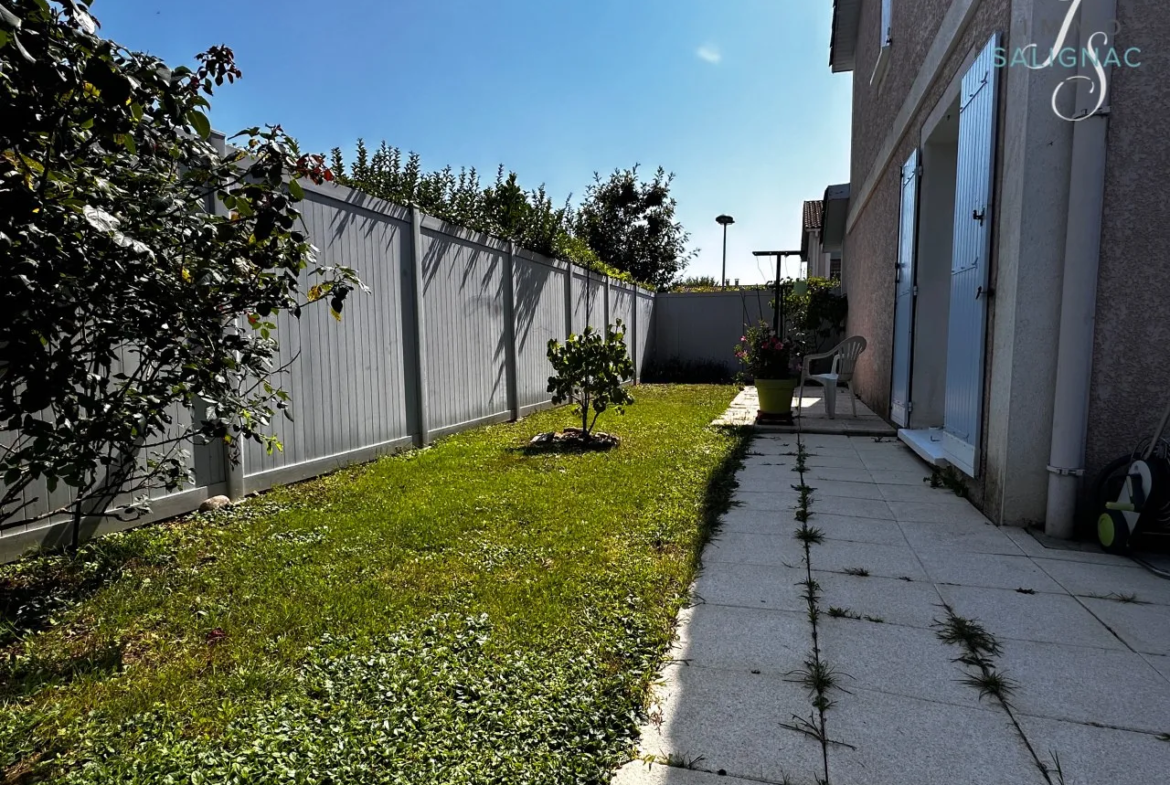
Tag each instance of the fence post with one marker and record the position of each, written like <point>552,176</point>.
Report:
<point>423,437</point>
<point>510,370</point>
<point>605,306</point>
<point>568,299</point>
<point>234,472</point>
<point>633,329</point>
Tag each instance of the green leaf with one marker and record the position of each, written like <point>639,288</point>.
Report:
<point>200,122</point>
<point>23,52</point>
<point>3,39</point>
<point>294,188</point>
<point>9,18</point>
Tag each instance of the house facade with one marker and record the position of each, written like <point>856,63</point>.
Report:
<point>821,250</point>
<point>811,250</point>
<point>1007,240</point>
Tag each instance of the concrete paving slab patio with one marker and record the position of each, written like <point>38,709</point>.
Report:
<point>809,406</point>
<point>1083,640</point>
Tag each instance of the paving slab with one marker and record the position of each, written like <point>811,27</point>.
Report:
<point>835,449</point>
<point>773,550</point>
<point>820,460</point>
<point>958,538</point>
<point>857,508</point>
<point>899,740</point>
<point>993,571</point>
<point>815,474</point>
<point>768,478</point>
<point>1095,756</point>
<point>892,460</point>
<point>775,462</point>
<point>1048,618</point>
<point>756,497</point>
<point>890,561</point>
<point>899,477</point>
<point>1088,685</point>
<point>936,512</point>
<point>851,529</point>
<point>771,445</point>
<point>745,520</point>
<point>897,602</point>
<point>845,489</point>
<point>1160,663</point>
<point>922,492</point>
<point>732,721</point>
<point>743,639</point>
<point>750,586</point>
<point>1103,579</point>
<point>1145,628</point>
<point>893,659</point>
<point>1037,545</point>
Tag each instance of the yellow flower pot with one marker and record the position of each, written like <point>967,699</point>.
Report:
<point>776,395</point>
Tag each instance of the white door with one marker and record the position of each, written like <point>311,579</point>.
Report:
<point>970,260</point>
<point>904,295</point>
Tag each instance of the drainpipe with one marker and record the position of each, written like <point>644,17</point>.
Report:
<point>1082,255</point>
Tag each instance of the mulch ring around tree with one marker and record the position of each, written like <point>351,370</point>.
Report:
<point>572,440</point>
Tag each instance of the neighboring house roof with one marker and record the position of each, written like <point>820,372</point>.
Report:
<point>843,46</point>
<point>836,214</point>
<point>814,212</point>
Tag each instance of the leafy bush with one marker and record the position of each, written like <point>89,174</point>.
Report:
<point>503,209</point>
<point>635,241</point>
<point>816,316</point>
<point>590,369</point>
<point>120,289</point>
<point>630,224</point>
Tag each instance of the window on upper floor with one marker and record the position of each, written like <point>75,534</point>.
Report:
<point>887,40</point>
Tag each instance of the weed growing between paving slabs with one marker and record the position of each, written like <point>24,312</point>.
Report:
<point>460,614</point>
<point>817,676</point>
<point>979,652</point>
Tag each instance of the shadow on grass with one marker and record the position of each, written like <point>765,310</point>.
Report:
<point>721,484</point>
<point>39,588</point>
<point>24,677</point>
<point>569,442</point>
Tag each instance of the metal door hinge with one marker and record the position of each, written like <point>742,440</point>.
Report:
<point>914,292</point>
<point>909,407</point>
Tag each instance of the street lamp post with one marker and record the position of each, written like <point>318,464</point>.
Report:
<point>724,221</point>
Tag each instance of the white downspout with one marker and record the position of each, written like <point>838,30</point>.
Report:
<point>1082,254</point>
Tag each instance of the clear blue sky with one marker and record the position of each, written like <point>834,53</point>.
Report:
<point>734,96</point>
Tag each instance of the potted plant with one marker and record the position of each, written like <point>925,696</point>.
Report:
<point>768,360</point>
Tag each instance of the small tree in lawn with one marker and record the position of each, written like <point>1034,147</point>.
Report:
<point>126,300</point>
<point>590,369</point>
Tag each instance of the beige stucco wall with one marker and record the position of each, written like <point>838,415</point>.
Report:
<point>1131,356</point>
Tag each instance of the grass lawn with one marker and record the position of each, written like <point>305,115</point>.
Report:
<point>467,613</point>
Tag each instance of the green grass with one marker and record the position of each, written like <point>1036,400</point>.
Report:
<point>465,613</point>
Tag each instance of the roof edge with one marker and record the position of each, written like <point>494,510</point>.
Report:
<point>843,43</point>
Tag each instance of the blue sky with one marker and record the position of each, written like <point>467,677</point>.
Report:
<point>734,96</point>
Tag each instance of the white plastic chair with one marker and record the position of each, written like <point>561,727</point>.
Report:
<point>844,356</point>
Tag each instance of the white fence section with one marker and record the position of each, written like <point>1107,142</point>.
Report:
<point>453,334</point>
